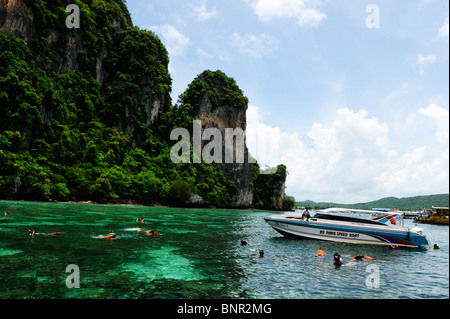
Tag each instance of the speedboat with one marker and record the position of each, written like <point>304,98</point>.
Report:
<point>348,226</point>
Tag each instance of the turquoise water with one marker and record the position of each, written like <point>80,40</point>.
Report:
<point>197,254</point>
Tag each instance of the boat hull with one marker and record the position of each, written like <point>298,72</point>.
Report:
<point>354,233</point>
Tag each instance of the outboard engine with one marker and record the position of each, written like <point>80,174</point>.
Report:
<point>418,230</point>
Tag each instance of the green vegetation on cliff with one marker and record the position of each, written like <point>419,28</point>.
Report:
<point>221,90</point>
<point>86,114</point>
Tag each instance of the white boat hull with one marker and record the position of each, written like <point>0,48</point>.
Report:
<point>355,233</point>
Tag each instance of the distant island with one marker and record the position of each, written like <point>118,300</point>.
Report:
<point>407,203</point>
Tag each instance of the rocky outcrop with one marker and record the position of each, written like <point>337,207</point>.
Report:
<point>218,112</point>
<point>223,117</point>
<point>219,103</point>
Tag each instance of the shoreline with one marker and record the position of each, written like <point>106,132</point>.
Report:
<point>134,203</point>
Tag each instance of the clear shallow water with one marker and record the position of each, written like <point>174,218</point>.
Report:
<point>197,254</point>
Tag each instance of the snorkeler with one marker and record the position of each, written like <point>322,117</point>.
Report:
<point>245,243</point>
<point>32,232</point>
<point>320,252</point>
<point>111,235</point>
<point>147,232</point>
<point>337,259</point>
<point>360,257</point>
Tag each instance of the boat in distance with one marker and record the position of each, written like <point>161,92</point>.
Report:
<point>335,224</point>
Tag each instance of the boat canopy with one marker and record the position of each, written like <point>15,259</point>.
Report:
<point>349,219</point>
<point>381,218</point>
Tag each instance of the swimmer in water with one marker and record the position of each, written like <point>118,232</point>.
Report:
<point>111,235</point>
<point>360,257</point>
<point>32,232</point>
<point>147,232</point>
<point>320,252</point>
<point>337,259</point>
<point>245,243</point>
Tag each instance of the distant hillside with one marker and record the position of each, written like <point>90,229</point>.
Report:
<point>406,203</point>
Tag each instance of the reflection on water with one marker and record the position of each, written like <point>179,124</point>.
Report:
<point>197,254</point>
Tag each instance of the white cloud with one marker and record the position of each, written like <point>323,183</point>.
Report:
<point>257,46</point>
<point>203,54</point>
<point>203,14</point>
<point>441,117</point>
<point>443,30</point>
<point>173,40</point>
<point>354,160</point>
<point>423,60</point>
<point>304,11</point>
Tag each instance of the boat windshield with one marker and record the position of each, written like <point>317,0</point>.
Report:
<point>349,219</point>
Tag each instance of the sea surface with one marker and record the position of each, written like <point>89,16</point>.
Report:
<point>197,254</point>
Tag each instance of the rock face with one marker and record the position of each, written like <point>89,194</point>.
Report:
<point>270,197</point>
<point>223,116</point>
<point>146,68</point>
<point>219,103</point>
<point>109,61</point>
<point>16,19</point>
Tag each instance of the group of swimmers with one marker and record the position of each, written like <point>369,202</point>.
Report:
<point>147,232</point>
<point>111,235</point>
<point>260,251</point>
<point>337,259</point>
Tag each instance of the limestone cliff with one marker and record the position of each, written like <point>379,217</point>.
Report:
<point>102,48</point>
<point>222,113</point>
<point>86,114</point>
<point>217,102</point>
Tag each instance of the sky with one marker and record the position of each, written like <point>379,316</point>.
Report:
<point>351,95</point>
